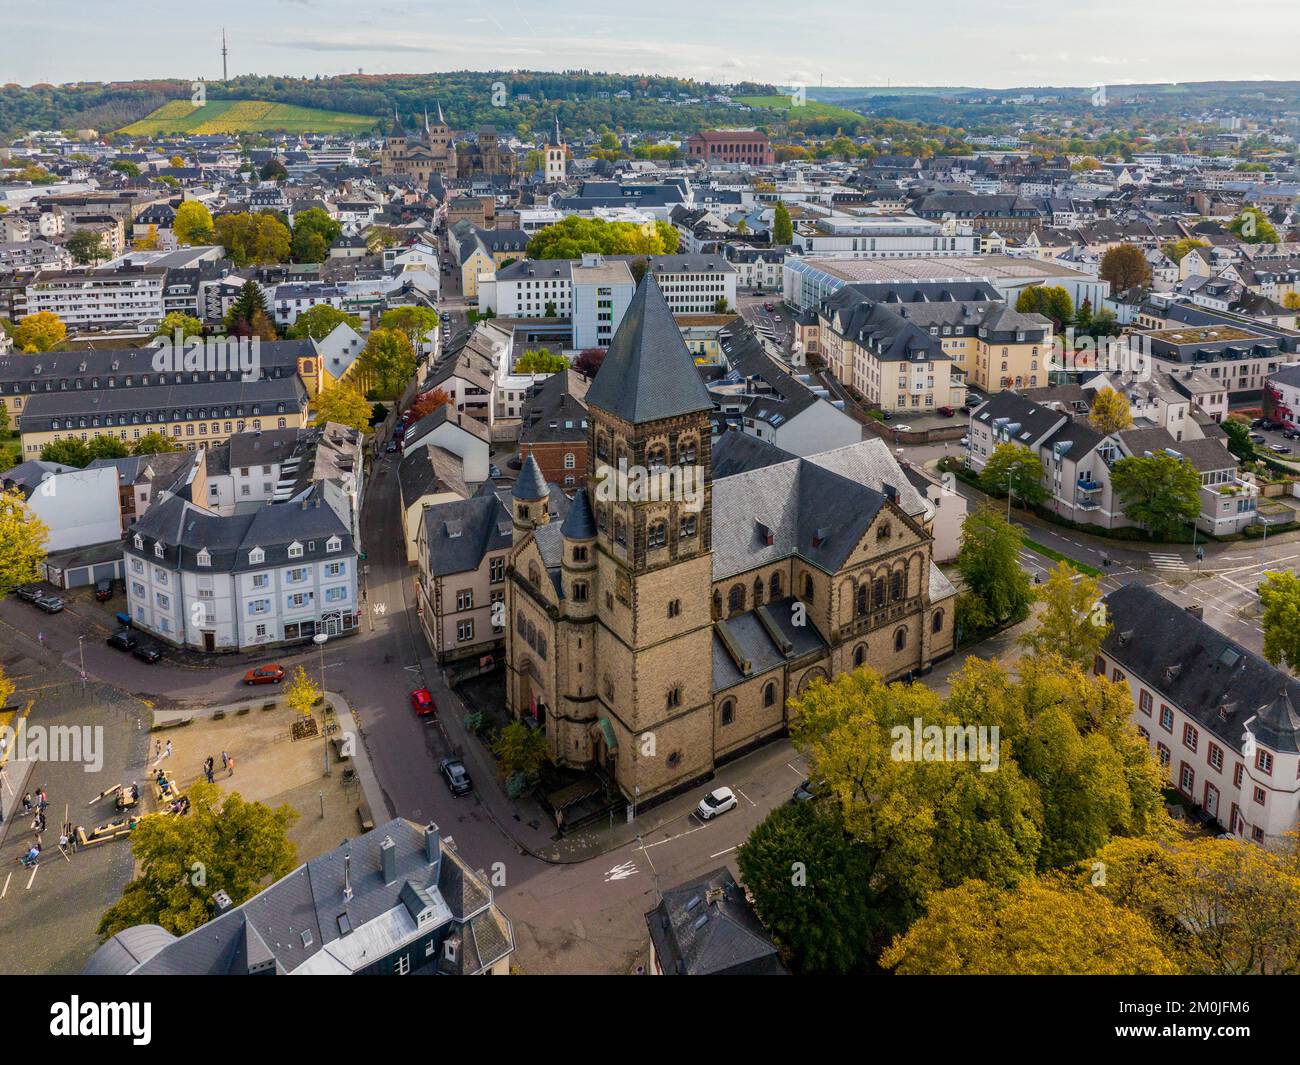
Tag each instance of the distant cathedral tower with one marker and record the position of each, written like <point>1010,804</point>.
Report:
<point>555,153</point>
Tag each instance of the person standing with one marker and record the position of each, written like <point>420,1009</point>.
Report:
<point>230,765</point>
<point>225,760</point>
<point>27,802</point>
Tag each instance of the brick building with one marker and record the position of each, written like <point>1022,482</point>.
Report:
<point>731,146</point>
<point>554,429</point>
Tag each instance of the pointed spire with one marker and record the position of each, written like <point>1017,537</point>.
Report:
<point>559,140</point>
<point>426,120</point>
<point>648,372</point>
<point>531,485</point>
<point>441,121</point>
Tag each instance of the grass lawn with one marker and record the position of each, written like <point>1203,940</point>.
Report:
<point>1056,556</point>
<point>245,116</point>
<point>808,109</point>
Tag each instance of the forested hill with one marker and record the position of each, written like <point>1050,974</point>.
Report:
<point>468,98</point>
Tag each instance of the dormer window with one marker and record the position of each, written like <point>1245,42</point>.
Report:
<point>139,542</point>
<point>204,558</point>
<point>256,556</point>
<point>295,550</point>
<point>158,550</point>
<point>333,544</point>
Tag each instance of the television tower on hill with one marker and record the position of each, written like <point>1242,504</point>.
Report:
<point>224,76</point>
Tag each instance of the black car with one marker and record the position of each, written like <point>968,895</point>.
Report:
<point>51,604</point>
<point>803,793</point>
<point>123,640</point>
<point>29,593</point>
<point>104,589</point>
<point>147,652</point>
<point>456,775</point>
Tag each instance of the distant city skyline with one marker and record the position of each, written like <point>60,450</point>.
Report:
<point>996,45</point>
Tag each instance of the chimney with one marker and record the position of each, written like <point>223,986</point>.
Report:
<point>891,493</point>
<point>432,848</point>
<point>388,860</point>
<point>347,876</point>
<point>222,901</point>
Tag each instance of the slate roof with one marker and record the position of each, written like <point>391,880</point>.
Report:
<point>531,485</point>
<point>648,372</point>
<point>737,452</point>
<point>428,470</point>
<point>579,523</point>
<point>1213,679</point>
<point>28,476</point>
<point>459,534</point>
<point>750,644</point>
<point>706,927</point>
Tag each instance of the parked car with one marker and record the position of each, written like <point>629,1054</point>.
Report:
<point>1257,423</point>
<point>51,604</point>
<point>392,446</point>
<point>965,441</point>
<point>456,775</point>
<point>29,593</point>
<point>422,703</point>
<point>767,307</point>
<point>718,801</point>
<point>1279,449</point>
<point>802,793</point>
<point>973,401</point>
<point>271,674</point>
<point>104,589</point>
<point>494,470</point>
<point>1291,434</point>
<point>1256,438</point>
<point>947,412</point>
<point>147,652</point>
<point>902,428</point>
<point>123,640</point>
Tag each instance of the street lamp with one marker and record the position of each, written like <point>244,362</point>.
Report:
<point>1010,469</point>
<point>319,640</point>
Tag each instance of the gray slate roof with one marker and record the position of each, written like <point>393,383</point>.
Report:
<point>648,373</point>
<point>706,927</point>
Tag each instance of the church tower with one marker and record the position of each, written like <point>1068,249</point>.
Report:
<point>530,500</point>
<point>554,162</point>
<point>650,487</point>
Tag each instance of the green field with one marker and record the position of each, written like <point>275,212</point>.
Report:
<point>809,109</point>
<point>244,116</point>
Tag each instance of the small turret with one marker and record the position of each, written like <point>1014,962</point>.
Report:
<point>530,501</point>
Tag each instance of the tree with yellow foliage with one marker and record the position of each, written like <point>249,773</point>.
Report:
<point>343,404</point>
<point>1109,412</point>
<point>39,332</point>
<point>304,693</point>
<point>1039,927</point>
<point>1073,621</point>
<point>24,536</point>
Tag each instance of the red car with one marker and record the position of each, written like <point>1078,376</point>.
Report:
<point>422,702</point>
<point>271,674</point>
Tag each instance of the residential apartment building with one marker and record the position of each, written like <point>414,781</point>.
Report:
<point>277,574</point>
<point>1223,722</point>
<point>129,296</point>
<point>554,429</point>
<point>398,899</point>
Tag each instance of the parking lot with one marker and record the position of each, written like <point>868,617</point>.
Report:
<point>1276,440</point>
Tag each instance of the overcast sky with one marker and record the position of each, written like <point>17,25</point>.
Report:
<point>994,43</point>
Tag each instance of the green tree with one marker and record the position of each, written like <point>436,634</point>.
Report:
<point>1239,442</point>
<point>254,239</point>
<point>541,361</point>
<point>1125,267</point>
<point>247,305</point>
<point>1279,600</point>
<point>572,237</point>
<point>812,888</point>
<point>193,223</point>
<point>86,247</point>
<point>782,227</point>
<point>24,536</point>
<point>414,321</point>
<point>1073,621</point>
<point>1253,227</point>
<point>1159,492</point>
<point>989,563</point>
<point>273,170</point>
<point>387,362</point>
<point>520,750</point>
<point>1175,250</point>
<point>187,324</point>
<point>320,321</point>
<point>107,447</point>
<point>313,233</point>
<point>343,404</point>
<point>239,845</point>
<point>1015,468</point>
<point>1109,411</point>
<point>67,452</point>
<point>125,166</point>
<point>153,443</point>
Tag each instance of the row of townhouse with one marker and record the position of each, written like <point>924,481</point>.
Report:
<point>1222,721</point>
<point>1077,458</point>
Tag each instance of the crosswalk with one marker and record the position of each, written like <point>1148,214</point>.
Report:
<point>1168,561</point>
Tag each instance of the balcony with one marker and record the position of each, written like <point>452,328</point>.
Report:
<point>1087,495</point>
